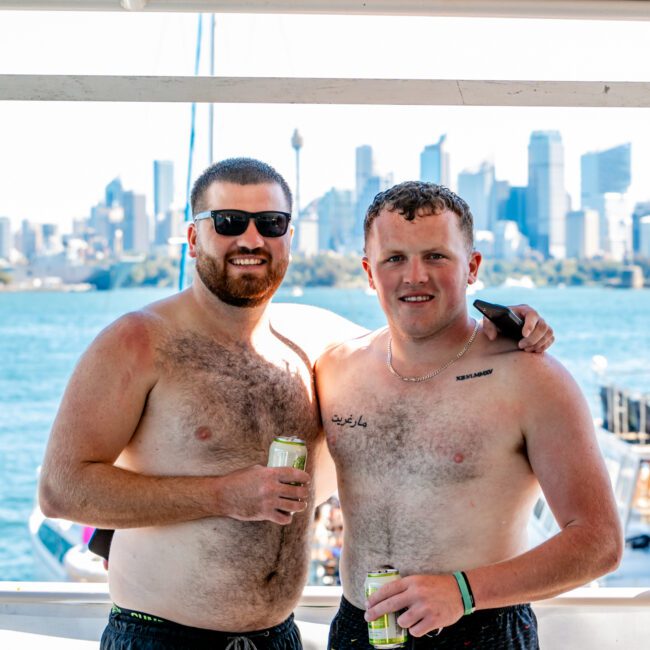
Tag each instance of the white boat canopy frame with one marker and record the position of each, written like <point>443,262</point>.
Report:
<point>436,92</point>
<point>293,90</point>
<point>576,9</point>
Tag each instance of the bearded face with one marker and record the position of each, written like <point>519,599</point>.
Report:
<point>233,285</point>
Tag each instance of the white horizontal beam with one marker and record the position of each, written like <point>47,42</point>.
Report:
<point>580,9</point>
<point>271,90</point>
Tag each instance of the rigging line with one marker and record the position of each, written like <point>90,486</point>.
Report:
<point>181,275</point>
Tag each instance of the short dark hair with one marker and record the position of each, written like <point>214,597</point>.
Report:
<point>242,171</point>
<point>410,197</point>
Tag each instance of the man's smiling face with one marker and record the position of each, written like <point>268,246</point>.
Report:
<point>244,270</point>
<point>420,269</point>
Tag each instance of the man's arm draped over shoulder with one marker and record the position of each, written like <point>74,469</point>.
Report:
<point>101,410</point>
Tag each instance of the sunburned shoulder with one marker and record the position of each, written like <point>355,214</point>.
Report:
<point>312,328</point>
<point>136,334</point>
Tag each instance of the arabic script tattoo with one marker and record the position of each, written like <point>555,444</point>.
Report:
<point>473,375</point>
<point>350,421</point>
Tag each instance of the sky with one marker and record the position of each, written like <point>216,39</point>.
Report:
<point>57,157</point>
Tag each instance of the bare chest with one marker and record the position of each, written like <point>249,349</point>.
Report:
<point>216,407</point>
<point>432,434</point>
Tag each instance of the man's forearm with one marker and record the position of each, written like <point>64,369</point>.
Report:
<point>105,496</point>
<point>571,558</point>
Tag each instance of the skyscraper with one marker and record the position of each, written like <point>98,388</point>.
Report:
<point>368,184</point>
<point>136,224</point>
<point>364,168</point>
<point>640,210</point>
<point>434,163</point>
<point>582,240</point>
<point>163,185</point>
<point>514,208</point>
<point>546,203</point>
<point>477,189</point>
<point>5,237</point>
<point>163,196</point>
<point>114,193</point>
<point>336,221</point>
<point>605,172</point>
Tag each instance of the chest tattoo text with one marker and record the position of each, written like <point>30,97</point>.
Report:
<point>349,421</point>
<point>474,375</point>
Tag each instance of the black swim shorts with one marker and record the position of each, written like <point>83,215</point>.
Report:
<point>506,628</point>
<point>130,630</point>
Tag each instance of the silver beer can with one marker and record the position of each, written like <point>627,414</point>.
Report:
<point>384,632</point>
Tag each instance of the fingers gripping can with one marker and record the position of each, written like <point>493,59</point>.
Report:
<point>384,632</point>
<point>288,452</point>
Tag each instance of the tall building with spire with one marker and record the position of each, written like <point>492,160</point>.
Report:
<point>546,200</point>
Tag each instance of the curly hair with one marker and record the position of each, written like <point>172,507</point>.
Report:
<point>410,197</point>
<point>241,171</point>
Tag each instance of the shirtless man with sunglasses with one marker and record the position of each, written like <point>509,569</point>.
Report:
<point>164,430</point>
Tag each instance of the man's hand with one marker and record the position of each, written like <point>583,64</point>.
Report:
<point>430,602</point>
<point>538,335</point>
<point>259,493</point>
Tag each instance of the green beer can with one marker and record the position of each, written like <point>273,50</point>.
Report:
<point>384,632</point>
<point>288,452</point>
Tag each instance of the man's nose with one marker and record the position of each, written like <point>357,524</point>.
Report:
<point>250,238</point>
<point>415,272</point>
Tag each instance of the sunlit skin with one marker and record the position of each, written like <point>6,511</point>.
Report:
<point>428,260</point>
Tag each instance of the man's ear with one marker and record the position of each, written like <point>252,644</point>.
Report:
<point>366,267</point>
<point>475,260</point>
<point>192,235</point>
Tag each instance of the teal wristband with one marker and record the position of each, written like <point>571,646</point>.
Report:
<point>465,593</point>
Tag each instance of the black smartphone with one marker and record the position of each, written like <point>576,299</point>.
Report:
<point>507,322</point>
<point>100,542</point>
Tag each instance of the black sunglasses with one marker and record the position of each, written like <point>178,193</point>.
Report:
<point>232,223</point>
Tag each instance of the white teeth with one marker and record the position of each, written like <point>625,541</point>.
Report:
<point>416,298</point>
<point>247,262</point>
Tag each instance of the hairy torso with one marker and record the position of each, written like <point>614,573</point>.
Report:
<point>433,477</point>
<point>213,410</point>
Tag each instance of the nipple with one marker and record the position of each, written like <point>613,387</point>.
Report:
<point>458,457</point>
<point>203,433</point>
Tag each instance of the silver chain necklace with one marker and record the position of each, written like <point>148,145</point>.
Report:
<point>433,373</point>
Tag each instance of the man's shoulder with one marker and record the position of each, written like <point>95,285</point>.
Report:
<point>533,374</point>
<point>351,351</point>
<point>140,330</point>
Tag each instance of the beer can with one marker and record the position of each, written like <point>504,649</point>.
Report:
<point>288,452</point>
<point>384,632</point>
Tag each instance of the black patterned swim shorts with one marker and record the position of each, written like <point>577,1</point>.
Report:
<point>131,630</point>
<point>506,628</point>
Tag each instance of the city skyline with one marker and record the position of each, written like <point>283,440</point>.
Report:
<point>510,221</point>
<point>79,145</point>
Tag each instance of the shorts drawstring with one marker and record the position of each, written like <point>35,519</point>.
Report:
<point>240,643</point>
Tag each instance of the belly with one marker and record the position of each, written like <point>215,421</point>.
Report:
<point>424,531</point>
<point>218,574</point>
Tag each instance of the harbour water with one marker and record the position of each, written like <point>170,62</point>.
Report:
<point>43,334</point>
